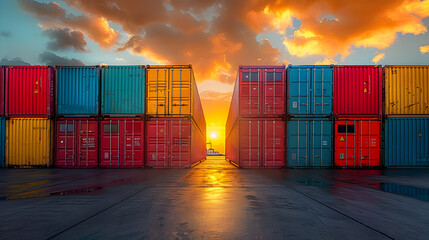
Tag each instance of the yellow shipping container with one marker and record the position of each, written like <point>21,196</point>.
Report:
<point>406,90</point>
<point>29,142</point>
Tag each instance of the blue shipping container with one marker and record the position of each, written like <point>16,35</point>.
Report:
<point>78,91</point>
<point>123,90</point>
<point>310,91</point>
<point>406,142</point>
<point>2,140</point>
<point>309,143</point>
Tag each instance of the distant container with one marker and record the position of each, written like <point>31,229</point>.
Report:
<point>309,143</point>
<point>357,142</point>
<point>29,142</point>
<point>76,143</point>
<point>358,91</point>
<point>259,91</point>
<point>123,90</point>
<point>406,90</point>
<point>310,91</point>
<point>174,143</point>
<point>78,91</point>
<point>172,92</point>
<point>30,91</point>
<point>257,143</point>
<point>2,87</point>
<point>406,142</point>
<point>122,143</point>
<point>2,140</point>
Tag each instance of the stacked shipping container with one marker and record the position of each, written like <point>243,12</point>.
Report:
<point>358,112</point>
<point>176,127</point>
<point>255,128</point>
<point>2,118</point>
<point>309,126</point>
<point>406,107</point>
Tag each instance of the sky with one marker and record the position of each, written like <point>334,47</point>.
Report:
<point>214,36</point>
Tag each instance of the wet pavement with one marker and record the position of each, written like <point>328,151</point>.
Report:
<point>213,200</point>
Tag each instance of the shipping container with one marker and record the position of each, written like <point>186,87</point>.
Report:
<point>358,91</point>
<point>76,143</point>
<point>122,143</point>
<point>257,143</point>
<point>123,90</point>
<point>310,90</point>
<point>259,91</point>
<point>406,90</point>
<point>30,91</point>
<point>2,87</point>
<point>78,90</point>
<point>174,143</point>
<point>309,142</point>
<point>29,142</point>
<point>406,142</point>
<point>172,92</point>
<point>2,140</point>
<point>357,142</point>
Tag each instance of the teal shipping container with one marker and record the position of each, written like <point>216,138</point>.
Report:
<point>2,140</point>
<point>310,90</point>
<point>78,90</point>
<point>123,90</point>
<point>406,142</point>
<point>309,143</point>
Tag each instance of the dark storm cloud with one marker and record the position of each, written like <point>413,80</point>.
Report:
<point>63,38</point>
<point>13,62</point>
<point>52,59</point>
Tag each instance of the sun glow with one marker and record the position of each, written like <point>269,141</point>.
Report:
<point>213,135</point>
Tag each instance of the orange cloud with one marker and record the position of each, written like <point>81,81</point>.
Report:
<point>326,61</point>
<point>424,49</point>
<point>378,58</point>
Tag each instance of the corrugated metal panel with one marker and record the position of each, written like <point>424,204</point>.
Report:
<point>257,143</point>
<point>173,143</point>
<point>76,143</point>
<point>2,87</point>
<point>30,91</point>
<point>172,92</point>
<point>122,143</point>
<point>357,142</point>
<point>2,140</point>
<point>358,90</point>
<point>78,91</point>
<point>406,90</point>
<point>310,90</point>
<point>123,90</point>
<point>309,143</point>
<point>406,142</point>
<point>29,142</point>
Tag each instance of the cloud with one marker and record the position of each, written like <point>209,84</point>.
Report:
<point>424,49</point>
<point>14,62</point>
<point>119,59</point>
<point>52,59</point>
<point>63,38</point>
<point>326,61</point>
<point>378,58</point>
<point>5,34</point>
<point>52,15</point>
<point>213,95</point>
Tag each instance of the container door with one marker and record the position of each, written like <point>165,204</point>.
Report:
<point>297,143</point>
<point>157,143</point>
<point>321,102</point>
<point>180,93</point>
<point>133,143</point>
<point>66,144</point>
<point>273,143</point>
<point>422,141</point>
<point>250,94</point>
<point>346,141</point>
<point>369,143</point>
<point>274,91</point>
<point>321,143</point>
<point>110,142</point>
<point>250,144</point>
<point>87,143</point>
<point>299,91</point>
<point>158,82</point>
<point>179,143</point>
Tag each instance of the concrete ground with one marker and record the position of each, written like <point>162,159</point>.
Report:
<point>214,200</point>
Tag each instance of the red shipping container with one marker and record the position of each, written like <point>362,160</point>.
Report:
<point>357,142</point>
<point>259,91</point>
<point>358,91</point>
<point>257,143</point>
<point>2,86</point>
<point>30,91</point>
<point>76,143</point>
<point>174,143</point>
<point>122,143</point>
